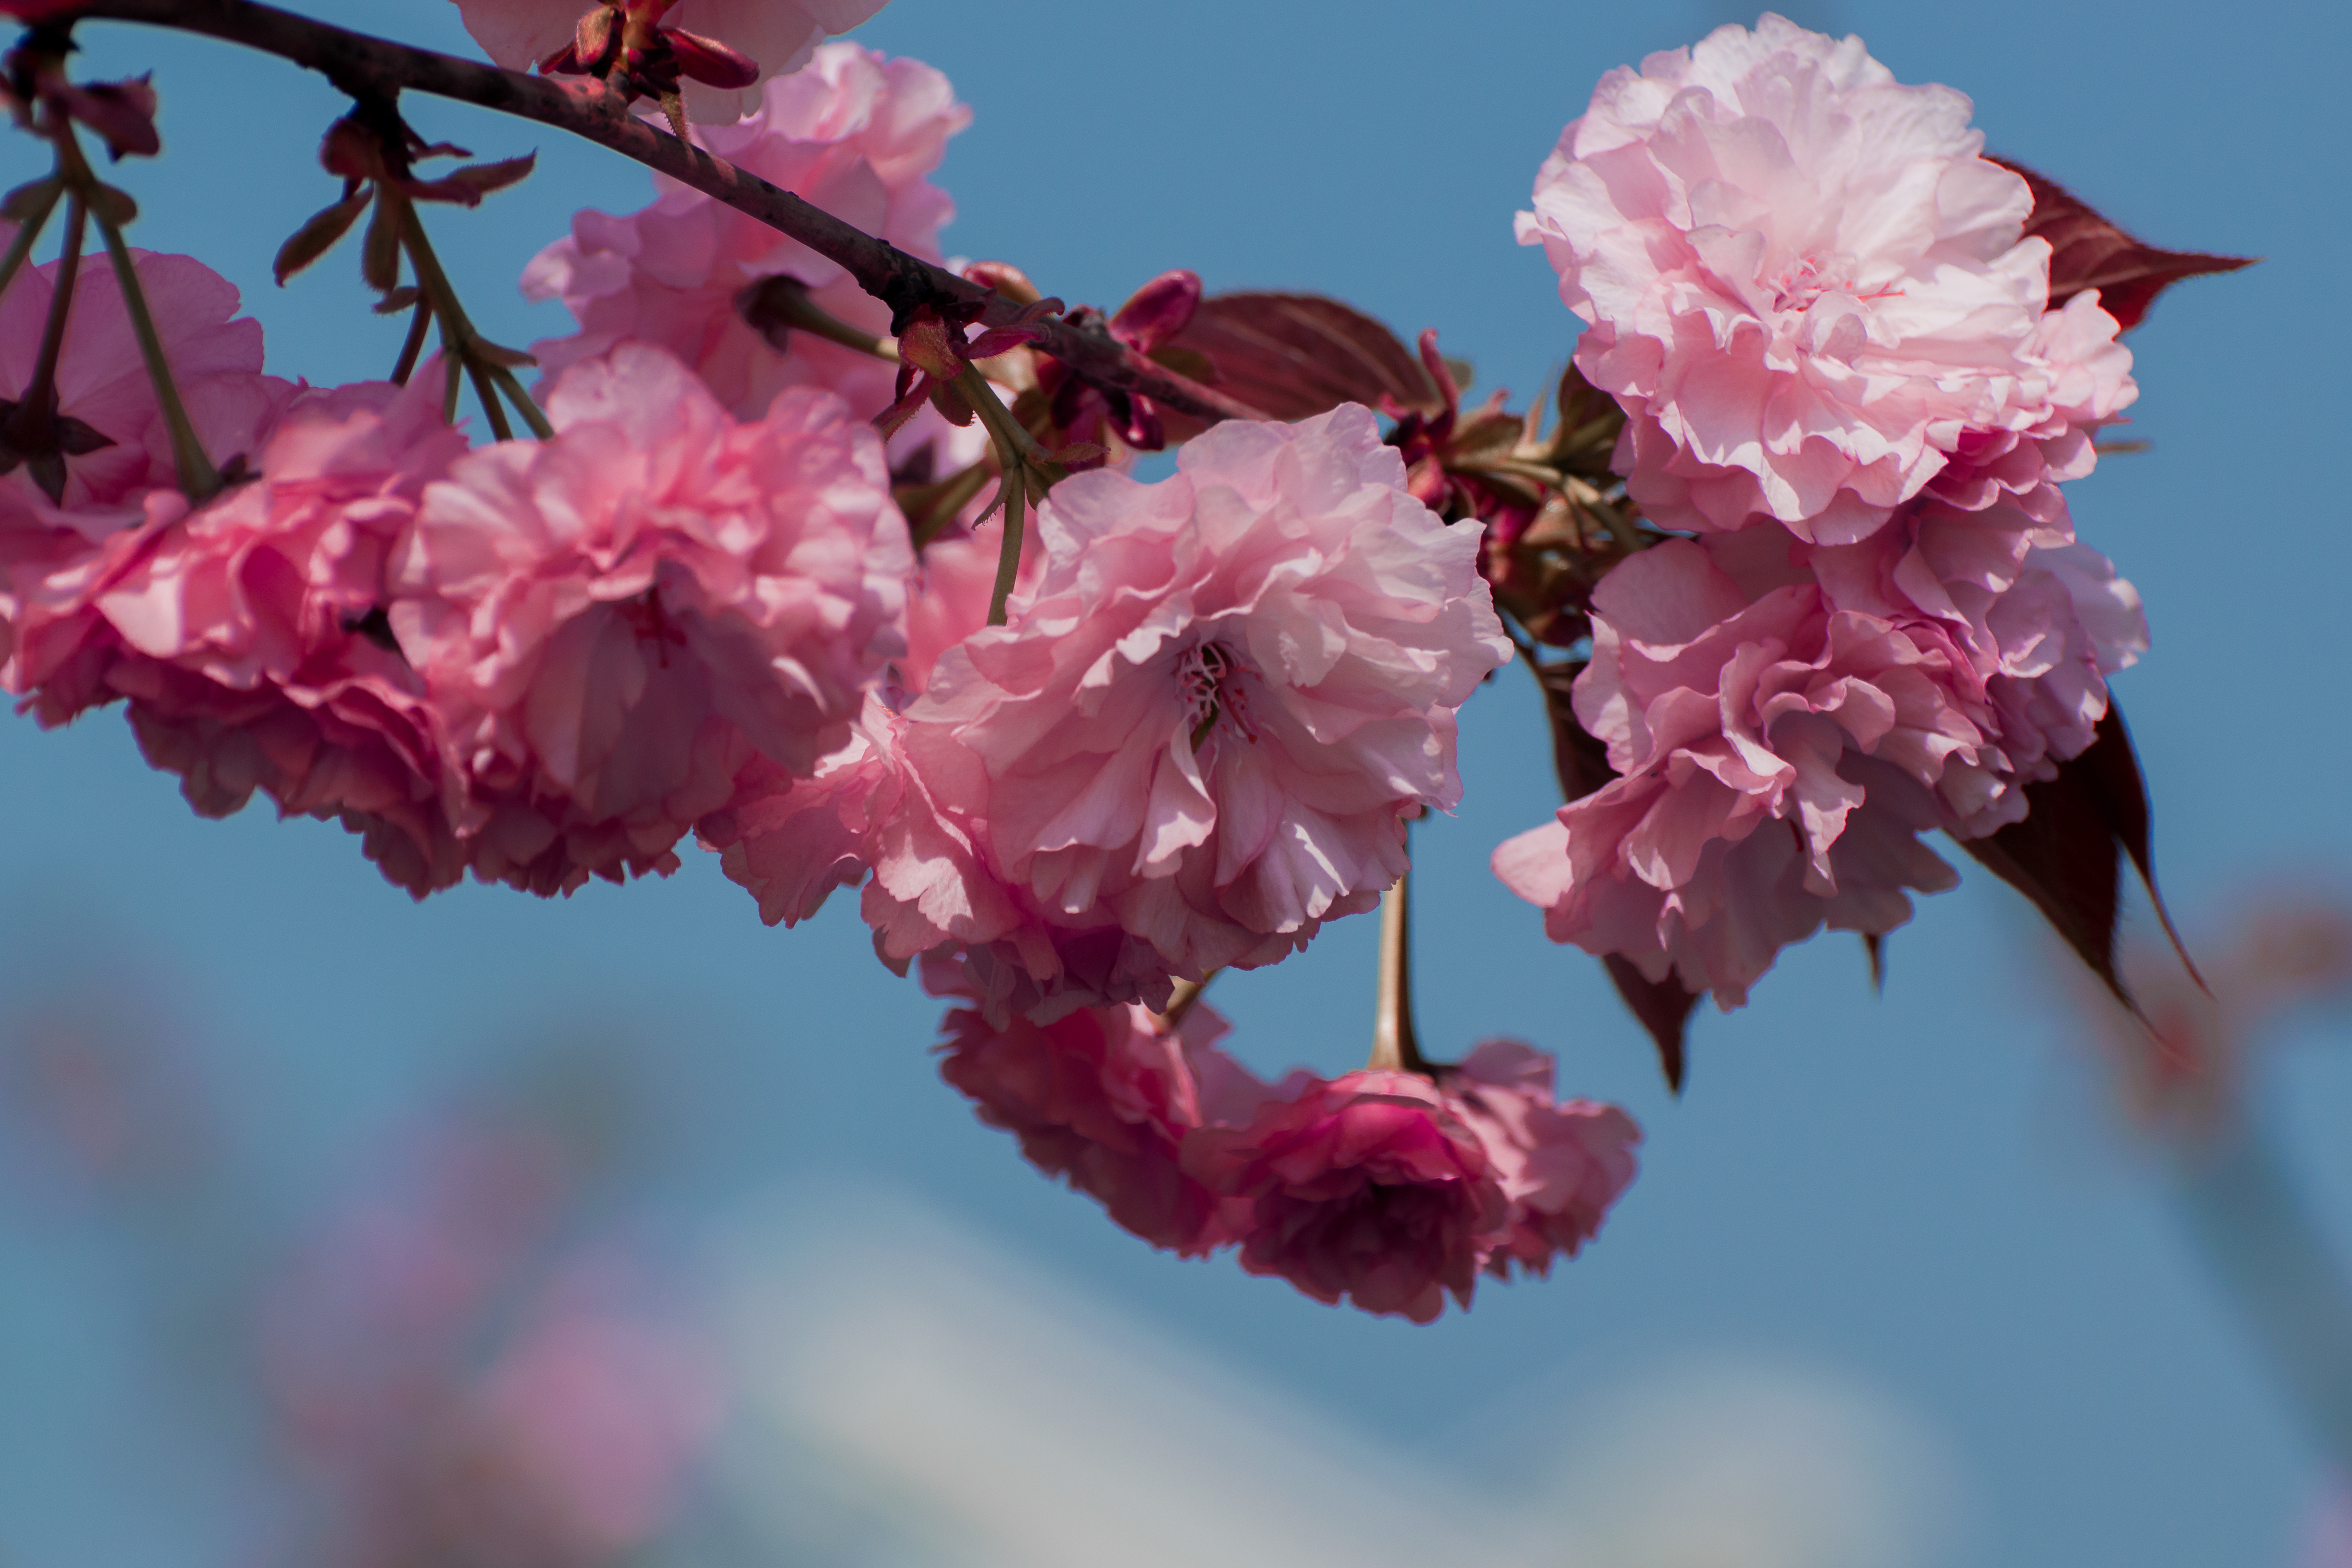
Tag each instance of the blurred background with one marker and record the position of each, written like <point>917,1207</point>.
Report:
<point>337,1229</point>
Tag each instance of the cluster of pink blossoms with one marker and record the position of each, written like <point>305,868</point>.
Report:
<point>1216,704</point>
<point>1389,1189</point>
<point>1843,378</point>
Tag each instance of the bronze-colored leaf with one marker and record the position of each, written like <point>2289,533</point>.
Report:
<point>27,201</point>
<point>319,232</point>
<point>380,252</point>
<point>2088,252</point>
<point>1293,356</point>
<point>1581,762</point>
<point>112,205</point>
<point>2067,854</point>
<point>1664,1008</point>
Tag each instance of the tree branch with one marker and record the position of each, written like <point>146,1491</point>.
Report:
<point>365,66</point>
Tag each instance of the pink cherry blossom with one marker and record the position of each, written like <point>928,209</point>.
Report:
<point>779,35</point>
<point>1808,291</point>
<point>620,621</point>
<point>1560,1164</point>
<point>1367,1187</point>
<point>1105,1097</point>
<point>614,624</point>
<point>1783,737</point>
<point>855,134</point>
<point>1202,732</point>
<point>247,634</point>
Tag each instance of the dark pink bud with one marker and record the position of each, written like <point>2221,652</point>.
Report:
<point>1159,311</point>
<point>711,61</point>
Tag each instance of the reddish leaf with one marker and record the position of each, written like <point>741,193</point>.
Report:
<point>1663,1007</point>
<point>1581,762</point>
<point>2089,252</point>
<point>319,232</point>
<point>2067,854</point>
<point>1293,356</point>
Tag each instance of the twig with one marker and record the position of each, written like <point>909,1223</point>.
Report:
<point>367,67</point>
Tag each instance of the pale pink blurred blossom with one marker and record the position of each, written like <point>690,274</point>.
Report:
<point>1202,732</point>
<point>1560,1163</point>
<point>853,133</point>
<point>1808,291</point>
<point>1367,1187</point>
<point>778,34</point>
<point>614,625</point>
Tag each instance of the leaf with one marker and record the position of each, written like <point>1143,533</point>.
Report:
<point>319,232</point>
<point>2088,252</point>
<point>1663,1007</point>
<point>21,205</point>
<point>2067,854</point>
<point>1293,356</point>
<point>113,205</point>
<point>380,252</point>
<point>1581,762</point>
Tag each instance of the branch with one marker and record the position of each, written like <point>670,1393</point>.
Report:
<point>367,67</point>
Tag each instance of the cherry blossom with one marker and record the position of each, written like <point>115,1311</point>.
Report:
<point>1560,1164</point>
<point>1105,1097</point>
<point>1367,1187</point>
<point>1782,738</point>
<point>614,625</point>
<point>778,35</point>
<point>1809,290</point>
<point>856,135</point>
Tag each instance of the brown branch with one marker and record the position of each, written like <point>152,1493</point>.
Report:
<point>370,67</point>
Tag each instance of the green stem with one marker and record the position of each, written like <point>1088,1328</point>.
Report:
<point>458,338</point>
<point>199,480</point>
<point>418,320</point>
<point>22,246</point>
<point>524,406</point>
<point>1395,1046</point>
<point>1008,550</point>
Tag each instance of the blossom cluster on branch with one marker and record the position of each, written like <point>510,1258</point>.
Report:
<point>863,589</point>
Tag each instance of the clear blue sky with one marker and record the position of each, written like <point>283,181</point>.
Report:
<point>1921,1188</point>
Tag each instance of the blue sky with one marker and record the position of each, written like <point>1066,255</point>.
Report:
<point>1923,1190</point>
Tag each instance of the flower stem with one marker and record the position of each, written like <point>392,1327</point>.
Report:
<point>1395,1047</point>
<point>418,320</point>
<point>22,246</point>
<point>1179,1002</point>
<point>1018,457</point>
<point>458,340</point>
<point>1008,550</point>
<point>199,480</point>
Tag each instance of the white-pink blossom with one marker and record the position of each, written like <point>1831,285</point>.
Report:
<point>1560,1164</point>
<point>1786,720</point>
<point>855,134</point>
<point>1202,732</point>
<point>778,34</point>
<point>616,624</point>
<point>1808,290</point>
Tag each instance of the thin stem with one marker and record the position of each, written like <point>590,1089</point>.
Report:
<point>458,340</point>
<point>41,390</point>
<point>521,400</point>
<point>1179,1002</point>
<point>21,246</point>
<point>1395,1047</point>
<point>1008,550</point>
<point>500,426</point>
<point>199,480</point>
<point>783,301</point>
<point>414,345</point>
<point>948,498</point>
<point>365,66</point>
